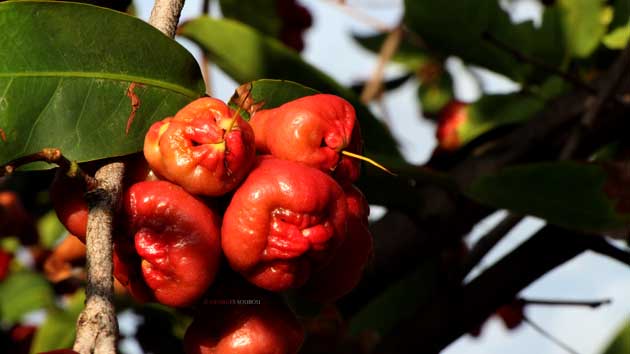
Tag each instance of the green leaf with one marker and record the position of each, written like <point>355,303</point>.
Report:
<point>462,28</point>
<point>436,94</point>
<point>65,73</point>
<point>50,229</point>
<point>621,13</point>
<point>397,302</point>
<point>58,330</point>
<point>23,292</point>
<point>260,14</point>
<point>585,23</point>
<point>492,111</point>
<point>617,38</point>
<point>574,195</point>
<point>247,55</point>
<point>270,94</point>
<point>621,343</point>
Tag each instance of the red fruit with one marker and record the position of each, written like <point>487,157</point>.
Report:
<point>312,130</point>
<point>15,220</point>
<point>21,337</point>
<point>172,244</point>
<point>67,194</point>
<point>295,19</point>
<point>451,119</point>
<point>206,148</point>
<point>5,262</point>
<point>512,314</point>
<point>344,271</point>
<point>284,221</point>
<point>265,328</point>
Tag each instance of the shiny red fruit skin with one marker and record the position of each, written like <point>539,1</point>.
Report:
<point>175,238</point>
<point>312,130</point>
<point>343,272</point>
<point>284,221</point>
<point>66,195</point>
<point>205,148</point>
<point>265,328</point>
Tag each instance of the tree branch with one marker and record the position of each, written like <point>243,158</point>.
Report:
<point>435,326</point>
<point>97,327</point>
<point>165,15</point>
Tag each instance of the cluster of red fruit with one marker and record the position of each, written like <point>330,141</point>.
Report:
<point>295,20</point>
<point>273,197</point>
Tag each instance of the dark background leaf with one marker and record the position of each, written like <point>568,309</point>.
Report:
<point>569,194</point>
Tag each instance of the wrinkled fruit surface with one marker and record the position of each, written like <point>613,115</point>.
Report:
<point>312,130</point>
<point>284,221</point>
<point>206,148</point>
<point>343,272</point>
<point>172,244</point>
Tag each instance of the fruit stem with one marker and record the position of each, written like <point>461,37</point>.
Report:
<point>368,160</point>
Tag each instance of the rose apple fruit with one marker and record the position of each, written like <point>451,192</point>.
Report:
<point>283,222</point>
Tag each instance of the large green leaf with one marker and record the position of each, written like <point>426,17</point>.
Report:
<point>68,73</point>
<point>585,23</point>
<point>267,94</point>
<point>247,55</point>
<point>621,343</point>
<point>260,14</point>
<point>575,195</point>
<point>23,292</point>
<point>462,28</point>
<point>617,38</point>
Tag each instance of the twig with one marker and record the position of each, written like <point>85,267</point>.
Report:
<point>205,62</point>
<point>522,57</point>
<point>165,15</point>
<point>438,323</point>
<point>388,49</point>
<point>600,245</point>
<point>363,17</point>
<point>97,327</point>
<point>489,240</point>
<point>607,92</point>
<point>549,336</point>
<point>545,302</point>
<point>54,156</point>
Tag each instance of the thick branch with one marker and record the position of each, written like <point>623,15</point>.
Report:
<point>432,328</point>
<point>165,15</point>
<point>97,328</point>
